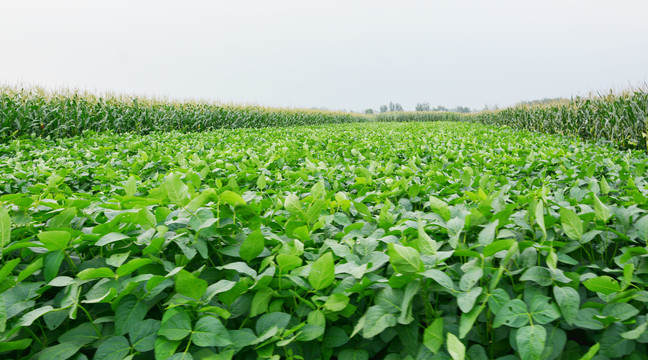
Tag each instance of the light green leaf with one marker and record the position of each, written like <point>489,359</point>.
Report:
<point>572,224</point>
<point>232,198</point>
<point>514,314</point>
<point>15,345</point>
<point>603,284</point>
<point>530,342</point>
<point>177,191</point>
<point>252,246</point>
<point>95,273</point>
<point>405,260</point>
<point>601,210</point>
<point>336,302</point>
<point>591,352</point>
<point>456,348</point>
<point>440,207</point>
<point>322,273</point>
<point>441,278</point>
<point>55,239</point>
<point>433,335</point>
<point>568,300</point>
<point>5,228</point>
<point>497,246</point>
<point>292,204</point>
<point>209,331</point>
<point>165,348</point>
<point>487,234</point>
<point>468,320</point>
<point>129,267</point>
<point>130,186</point>
<point>376,321</point>
<point>177,327</point>
<point>110,238</point>
<point>189,285</point>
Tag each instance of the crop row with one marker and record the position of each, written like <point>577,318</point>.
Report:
<point>395,240</point>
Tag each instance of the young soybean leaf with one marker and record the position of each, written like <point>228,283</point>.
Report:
<point>130,186</point>
<point>115,348</point>
<point>514,314</point>
<point>5,228</point>
<point>404,260</point>
<point>376,321</point>
<point>568,300</point>
<point>600,210</point>
<point>130,311</point>
<point>322,273</point>
<point>177,327</point>
<point>487,234</point>
<point>189,285</point>
<point>440,207</point>
<point>232,198</point>
<point>592,351</point>
<point>252,246</point>
<point>603,284</point>
<point>177,191</point>
<point>530,342</point>
<point>55,239</point>
<point>433,335</point>
<point>209,331</point>
<point>572,224</point>
<point>456,348</point>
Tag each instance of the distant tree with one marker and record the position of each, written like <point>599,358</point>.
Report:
<point>369,111</point>
<point>383,108</point>
<point>462,109</point>
<point>440,108</point>
<point>422,107</point>
<point>395,106</point>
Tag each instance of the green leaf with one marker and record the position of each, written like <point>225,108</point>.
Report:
<point>292,204</point>
<point>497,246</point>
<point>110,238</point>
<point>189,285</point>
<point>543,310</point>
<point>613,344</point>
<point>538,274</point>
<point>335,337</point>
<point>591,352</point>
<point>530,342</point>
<point>600,210</point>
<point>572,224</point>
<point>62,219</point>
<point>52,264</point>
<point>310,332</point>
<point>456,348</point>
<point>59,352</point>
<point>603,284</point>
<point>177,327</point>
<point>568,300</point>
<point>15,345</point>
<point>433,335</point>
<point>487,235</point>
<point>130,186</point>
<point>81,335</point>
<point>404,260</point>
<point>5,228</point>
<point>209,331</point>
<point>260,301</point>
<point>7,268</point>
<point>177,191</point>
<point>232,198</point>
<point>288,262</point>
<point>636,332</point>
<point>274,319</point>
<point>129,311</point>
<point>30,317</point>
<point>144,334</point>
<point>441,278</point>
<point>336,302</point>
<point>55,239</point>
<point>514,314</point>
<point>470,278</point>
<point>353,354</point>
<point>539,218</point>
<point>466,300</point>
<point>165,348</point>
<point>131,266</point>
<point>252,246</point>
<point>322,273</point>
<point>95,273</point>
<point>440,207</point>
<point>115,348</point>
<point>468,320</point>
<point>376,321</point>
<point>642,228</point>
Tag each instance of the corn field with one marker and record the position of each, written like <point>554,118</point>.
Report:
<point>41,114</point>
<point>617,118</point>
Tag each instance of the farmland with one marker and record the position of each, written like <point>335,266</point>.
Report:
<point>396,240</point>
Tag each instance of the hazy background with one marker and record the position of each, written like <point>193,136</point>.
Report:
<point>347,54</point>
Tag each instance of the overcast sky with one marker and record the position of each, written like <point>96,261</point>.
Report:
<point>343,54</point>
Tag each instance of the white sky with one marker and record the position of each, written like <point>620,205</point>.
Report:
<point>345,54</point>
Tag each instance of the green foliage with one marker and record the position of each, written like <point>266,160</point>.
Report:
<point>448,240</point>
